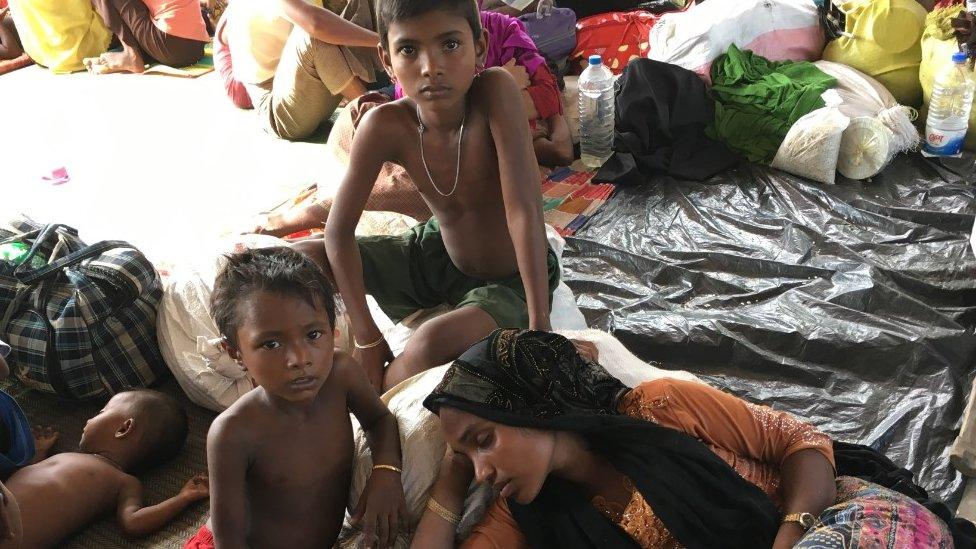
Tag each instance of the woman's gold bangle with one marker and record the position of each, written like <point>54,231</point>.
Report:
<point>393,468</point>
<point>443,512</point>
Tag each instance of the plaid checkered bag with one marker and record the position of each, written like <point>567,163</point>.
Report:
<point>81,320</point>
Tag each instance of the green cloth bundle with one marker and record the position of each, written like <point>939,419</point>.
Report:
<point>758,100</point>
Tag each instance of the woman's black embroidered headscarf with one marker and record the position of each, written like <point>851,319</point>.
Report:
<point>539,380</point>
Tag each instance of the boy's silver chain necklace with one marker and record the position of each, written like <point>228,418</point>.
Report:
<point>457,174</point>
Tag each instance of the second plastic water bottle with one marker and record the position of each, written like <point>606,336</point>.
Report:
<point>952,98</point>
<point>596,113</point>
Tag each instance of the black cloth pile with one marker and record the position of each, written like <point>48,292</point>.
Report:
<point>662,111</point>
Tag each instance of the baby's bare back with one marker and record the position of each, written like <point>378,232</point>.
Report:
<point>298,483</point>
<point>62,494</point>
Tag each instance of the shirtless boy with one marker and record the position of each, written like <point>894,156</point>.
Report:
<point>280,458</point>
<point>46,502</point>
<point>462,136</point>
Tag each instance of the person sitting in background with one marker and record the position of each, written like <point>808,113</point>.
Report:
<point>299,59</point>
<point>580,460</point>
<point>224,64</point>
<point>44,503</point>
<point>171,32</point>
<point>10,47</point>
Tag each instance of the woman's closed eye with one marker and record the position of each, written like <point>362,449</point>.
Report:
<point>484,441</point>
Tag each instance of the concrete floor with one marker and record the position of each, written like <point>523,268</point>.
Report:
<point>162,162</point>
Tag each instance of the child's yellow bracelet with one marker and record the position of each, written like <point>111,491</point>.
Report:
<point>368,345</point>
<point>393,468</point>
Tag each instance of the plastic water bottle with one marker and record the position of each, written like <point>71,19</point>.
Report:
<point>596,113</point>
<point>952,97</point>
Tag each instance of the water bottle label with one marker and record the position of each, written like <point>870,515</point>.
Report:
<point>943,142</point>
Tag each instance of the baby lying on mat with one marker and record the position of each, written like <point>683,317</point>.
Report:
<point>43,503</point>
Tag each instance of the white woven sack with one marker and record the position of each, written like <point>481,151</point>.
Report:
<point>811,147</point>
<point>870,146</point>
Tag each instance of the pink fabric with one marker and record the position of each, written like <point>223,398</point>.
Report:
<point>182,18</point>
<point>225,67</point>
<point>804,44</point>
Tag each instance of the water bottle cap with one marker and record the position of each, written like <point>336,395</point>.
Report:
<point>959,57</point>
<point>596,60</point>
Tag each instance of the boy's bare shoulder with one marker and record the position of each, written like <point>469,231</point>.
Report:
<point>238,420</point>
<point>394,115</point>
<point>494,86</point>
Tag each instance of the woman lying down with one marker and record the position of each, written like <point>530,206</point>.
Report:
<point>579,460</point>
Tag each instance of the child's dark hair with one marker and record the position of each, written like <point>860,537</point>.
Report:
<point>280,270</point>
<point>165,426</point>
<point>391,11</point>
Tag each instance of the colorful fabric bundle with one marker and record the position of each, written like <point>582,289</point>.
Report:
<point>617,37</point>
<point>570,200</point>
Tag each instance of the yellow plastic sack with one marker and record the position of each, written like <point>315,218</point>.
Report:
<point>58,34</point>
<point>884,43</point>
<point>938,45</point>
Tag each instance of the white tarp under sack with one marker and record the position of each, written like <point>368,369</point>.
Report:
<point>190,343</point>
<point>778,30</point>
<point>859,131</point>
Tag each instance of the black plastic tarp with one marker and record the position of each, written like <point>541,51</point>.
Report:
<point>851,305</point>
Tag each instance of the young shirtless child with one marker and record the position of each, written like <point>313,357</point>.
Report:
<point>280,458</point>
<point>46,502</point>
<point>462,136</point>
